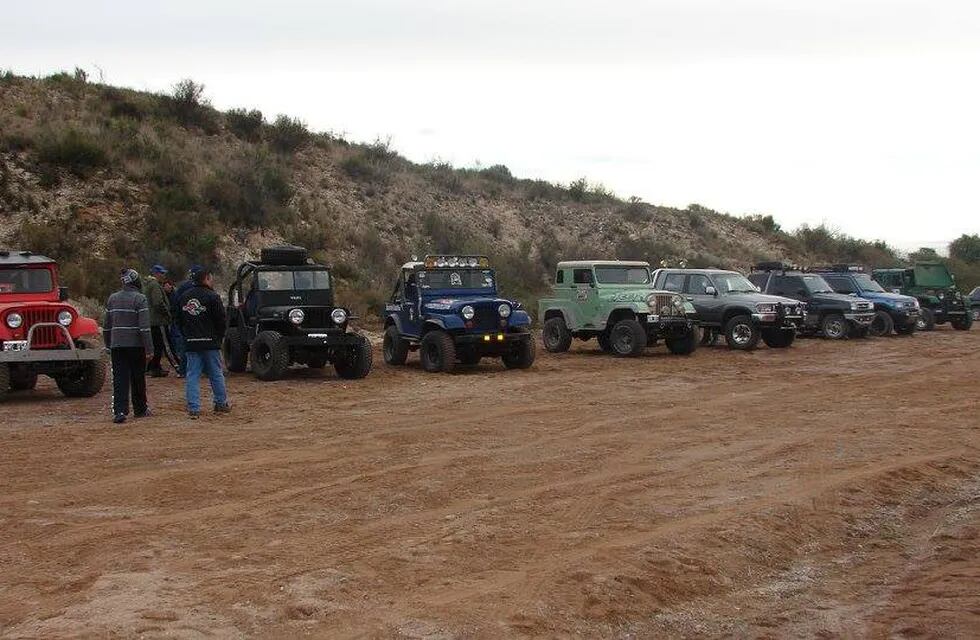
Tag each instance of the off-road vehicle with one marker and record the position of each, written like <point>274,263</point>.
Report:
<point>893,311</point>
<point>447,308</point>
<point>833,315</point>
<point>615,303</point>
<point>974,299</point>
<point>281,311</point>
<point>41,334</point>
<point>728,304</point>
<point>934,287</point>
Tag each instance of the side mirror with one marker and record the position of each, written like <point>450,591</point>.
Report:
<point>62,294</point>
<point>711,291</point>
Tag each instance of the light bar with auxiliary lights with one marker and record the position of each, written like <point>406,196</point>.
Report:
<point>456,262</point>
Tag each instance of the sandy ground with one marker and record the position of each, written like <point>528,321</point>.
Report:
<point>829,490</point>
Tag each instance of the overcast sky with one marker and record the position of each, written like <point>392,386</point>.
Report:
<point>862,114</point>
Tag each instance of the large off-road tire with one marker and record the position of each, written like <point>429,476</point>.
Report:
<point>556,336</point>
<point>778,338</point>
<point>927,320</point>
<point>684,345</point>
<point>522,357</point>
<point>437,352</point>
<point>709,337</point>
<point>4,380</point>
<point>628,338</point>
<point>86,380</point>
<point>393,347</point>
<point>882,325</point>
<point>234,350</point>
<point>23,378</point>
<point>741,333</point>
<point>962,324</point>
<point>270,356</point>
<point>834,326</point>
<point>354,363</point>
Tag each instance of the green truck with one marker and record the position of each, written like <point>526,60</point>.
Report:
<point>934,287</point>
<point>614,302</point>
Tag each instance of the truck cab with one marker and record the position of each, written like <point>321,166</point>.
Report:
<point>934,287</point>
<point>41,333</point>
<point>893,311</point>
<point>447,307</point>
<point>833,315</point>
<point>615,302</point>
<point>729,305</point>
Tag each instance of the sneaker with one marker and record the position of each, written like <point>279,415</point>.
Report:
<point>194,415</point>
<point>222,408</point>
<point>143,414</point>
<point>119,418</point>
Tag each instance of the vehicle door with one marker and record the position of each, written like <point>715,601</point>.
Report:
<point>406,298</point>
<point>841,284</point>
<point>789,287</point>
<point>586,298</point>
<point>707,300</point>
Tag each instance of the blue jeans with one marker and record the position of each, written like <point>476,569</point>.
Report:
<point>208,362</point>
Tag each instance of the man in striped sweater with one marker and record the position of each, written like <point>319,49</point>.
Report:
<point>126,331</point>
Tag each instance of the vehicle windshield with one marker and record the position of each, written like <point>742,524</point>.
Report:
<point>301,280</point>
<point>455,279</point>
<point>622,275</point>
<point>25,280</point>
<point>865,283</point>
<point>816,284</point>
<point>733,283</point>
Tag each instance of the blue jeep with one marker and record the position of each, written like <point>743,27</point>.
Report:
<point>893,311</point>
<point>447,308</point>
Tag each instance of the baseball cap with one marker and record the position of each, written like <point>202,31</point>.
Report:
<point>158,268</point>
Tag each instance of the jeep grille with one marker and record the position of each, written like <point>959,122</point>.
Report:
<point>664,305</point>
<point>317,318</point>
<point>486,318</point>
<point>44,337</point>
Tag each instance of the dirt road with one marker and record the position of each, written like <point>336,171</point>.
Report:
<point>832,489</point>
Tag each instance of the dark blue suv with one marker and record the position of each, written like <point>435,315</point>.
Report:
<point>447,308</point>
<point>893,311</point>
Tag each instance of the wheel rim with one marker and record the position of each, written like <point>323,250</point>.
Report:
<point>387,347</point>
<point>835,329</point>
<point>263,354</point>
<point>551,337</point>
<point>920,324</point>
<point>741,334</point>
<point>432,354</point>
<point>623,341</point>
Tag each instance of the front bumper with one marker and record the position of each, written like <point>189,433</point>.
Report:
<point>782,322</point>
<point>863,319</point>
<point>314,340</point>
<point>20,351</point>
<point>490,339</point>
<point>904,318</point>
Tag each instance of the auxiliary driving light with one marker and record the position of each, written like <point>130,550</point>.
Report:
<point>500,337</point>
<point>486,338</point>
<point>64,318</point>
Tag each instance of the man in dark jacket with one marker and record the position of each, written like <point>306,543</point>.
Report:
<point>176,337</point>
<point>126,332</point>
<point>159,317</point>
<point>202,322</point>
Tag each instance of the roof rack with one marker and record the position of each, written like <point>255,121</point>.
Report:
<point>777,266</point>
<point>839,268</point>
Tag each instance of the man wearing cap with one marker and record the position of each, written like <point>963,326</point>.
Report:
<point>159,317</point>
<point>126,332</point>
<point>202,321</point>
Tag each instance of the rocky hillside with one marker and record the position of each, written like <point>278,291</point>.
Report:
<point>99,177</point>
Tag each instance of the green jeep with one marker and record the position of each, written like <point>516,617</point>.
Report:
<point>615,303</point>
<point>934,287</point>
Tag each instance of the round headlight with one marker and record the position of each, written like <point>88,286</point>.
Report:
<point>468,312</point>
<point>65,318</point>
<point>652,300</point>
<point>339,316</point>
<point>504,310</point>
<point>14,320</point>
<point>296,316</point>
<point>678,302</point>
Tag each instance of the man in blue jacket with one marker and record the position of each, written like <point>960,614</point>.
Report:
<point>176,337</point>
<point>202,322</point>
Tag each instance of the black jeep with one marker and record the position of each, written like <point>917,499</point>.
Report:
<point>834,315</point>
<point>281,311</point>
<point>727,304</point>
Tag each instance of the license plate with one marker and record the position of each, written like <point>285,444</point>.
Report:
<point>15,345</point>
<point>653,318</point>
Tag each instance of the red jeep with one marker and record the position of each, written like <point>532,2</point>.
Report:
<point>40,333</point>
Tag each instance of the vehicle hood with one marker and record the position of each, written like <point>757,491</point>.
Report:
<point>887,297</point>
<point>445,304</point>
<point>751,299</point>
<point>34,304</point>
<point>835,299</point>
